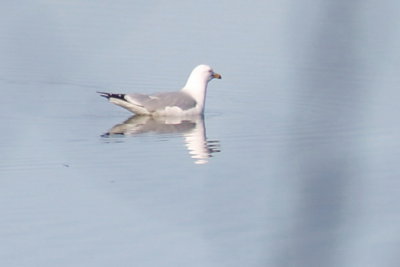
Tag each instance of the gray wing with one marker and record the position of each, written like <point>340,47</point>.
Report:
<point>162,100</point>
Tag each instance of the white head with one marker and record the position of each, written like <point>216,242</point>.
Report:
<point>196,85</point>
<point>199,78</point>
<point>204,72</point>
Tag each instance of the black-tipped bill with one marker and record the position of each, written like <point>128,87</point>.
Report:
<point>217,76</point>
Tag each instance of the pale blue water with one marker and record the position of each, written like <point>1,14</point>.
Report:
<point>294,164</point>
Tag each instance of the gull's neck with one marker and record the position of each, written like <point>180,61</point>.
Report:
<point>197,88</point>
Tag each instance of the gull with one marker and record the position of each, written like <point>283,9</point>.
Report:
<point>190,100</point>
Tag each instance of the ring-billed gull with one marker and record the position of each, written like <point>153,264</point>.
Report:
<point>188,101</point>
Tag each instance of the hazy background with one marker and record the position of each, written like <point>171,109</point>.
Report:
<point>304,127</point>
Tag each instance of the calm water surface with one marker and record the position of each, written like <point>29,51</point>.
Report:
<point>295,162</point>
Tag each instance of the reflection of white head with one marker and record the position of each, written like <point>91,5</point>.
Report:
<point>196,143</point>
<point>194,133</point>
<point>196,85</point>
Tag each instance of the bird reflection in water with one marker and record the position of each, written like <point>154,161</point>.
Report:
<point>191,128</point>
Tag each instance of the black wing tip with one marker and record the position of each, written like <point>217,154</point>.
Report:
<point>111,95</point>
<point>104,94</point>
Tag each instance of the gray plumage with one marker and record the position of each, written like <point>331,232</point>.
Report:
<point>162,100</point>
